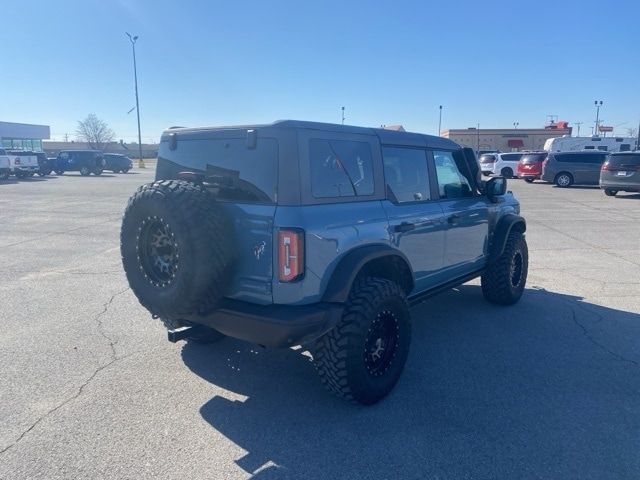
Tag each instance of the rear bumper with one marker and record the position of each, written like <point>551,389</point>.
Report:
<point>535,176</point>
<point>272,325</point>
<point>26,168</point>
<point>620,186</point>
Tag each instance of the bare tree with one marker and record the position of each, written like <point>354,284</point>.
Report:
<point>95,132</point>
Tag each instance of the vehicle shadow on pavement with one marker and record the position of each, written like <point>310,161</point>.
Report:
<point>548,387</point>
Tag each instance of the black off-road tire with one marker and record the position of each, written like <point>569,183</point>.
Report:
<point>341,356</point>
<point>200,245</point>
<point>610,192</point>
<point>504,280</point>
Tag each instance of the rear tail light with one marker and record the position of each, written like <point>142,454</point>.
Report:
<point>290,255</point>
<point>605,166</point>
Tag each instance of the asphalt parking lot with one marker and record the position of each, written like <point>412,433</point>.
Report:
<point>549,388</point>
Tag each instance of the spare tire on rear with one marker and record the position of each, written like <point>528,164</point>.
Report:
<point>176,245</point>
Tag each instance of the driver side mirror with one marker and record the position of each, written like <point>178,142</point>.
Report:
<point>496,187</point>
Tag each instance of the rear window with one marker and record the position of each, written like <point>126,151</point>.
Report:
<point>233,171</point>
<point>340,168</point>
<point>487,158</point>
<point>624,160</point>
<point>533,158</point>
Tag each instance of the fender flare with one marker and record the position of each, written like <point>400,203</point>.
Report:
<point>351,264</point>
<point>500,234</point>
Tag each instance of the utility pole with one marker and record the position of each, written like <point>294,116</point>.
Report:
<point>577,124</point>
<point>342,115</point>
<point>440,122</point>
<point>135,77</point>
<point>598,104</point>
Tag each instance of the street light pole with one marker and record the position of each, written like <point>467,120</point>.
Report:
<point>135,77</point>
<point>598,104</point>
<point>440,122</point>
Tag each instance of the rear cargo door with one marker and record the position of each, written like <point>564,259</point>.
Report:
<point>243,177</point>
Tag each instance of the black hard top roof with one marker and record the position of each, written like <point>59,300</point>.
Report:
<point>390,137</point>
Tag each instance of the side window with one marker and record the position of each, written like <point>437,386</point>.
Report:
<point>405,173</point>
<point>451,182</point>
<point>340,168</point>
<point>590,147</point>
<point>604,148</point>
<point>625,147</point>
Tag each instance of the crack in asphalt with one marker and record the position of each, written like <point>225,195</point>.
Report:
<point>587,334</point>
<point>114,358</point>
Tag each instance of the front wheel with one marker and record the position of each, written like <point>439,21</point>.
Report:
<point>362,358</point>
<point>98,171</point>
<point>504,280</point>
<point>85,172</point>
<point>59,172</point>
<point>609,192</point>
<point>528,179</point>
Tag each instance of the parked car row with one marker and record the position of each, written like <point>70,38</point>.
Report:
<point>22,163</point>
<point>614,172</point>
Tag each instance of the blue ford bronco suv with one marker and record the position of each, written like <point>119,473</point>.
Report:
<point>320,235</point>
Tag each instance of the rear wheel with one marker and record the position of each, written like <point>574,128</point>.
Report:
<point>4,174</point>
<point>528,179</point>
<point>362,358</point>
<point>85,172</point>
<point>609,192</point>
<point>126,170</point>
<point>563,180</point>
<point>59,172</point>
<point>98,171</point>
<point>506,172</point>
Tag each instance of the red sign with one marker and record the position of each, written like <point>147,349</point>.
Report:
<point>602,128</point>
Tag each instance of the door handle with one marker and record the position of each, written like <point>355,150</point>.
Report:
<point>404,227</point>
<point>454,218</point>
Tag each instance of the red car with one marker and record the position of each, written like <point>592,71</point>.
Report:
<point>530,166</point>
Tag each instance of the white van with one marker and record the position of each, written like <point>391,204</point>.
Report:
<point>605,144</point>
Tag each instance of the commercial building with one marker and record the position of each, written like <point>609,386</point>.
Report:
<point>23,136</point>
<point>507,139</point>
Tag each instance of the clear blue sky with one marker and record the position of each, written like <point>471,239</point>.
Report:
<point>220,63</point>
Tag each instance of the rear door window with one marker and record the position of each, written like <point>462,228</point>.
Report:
<point>405,172</point>
<point>340,168</point>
